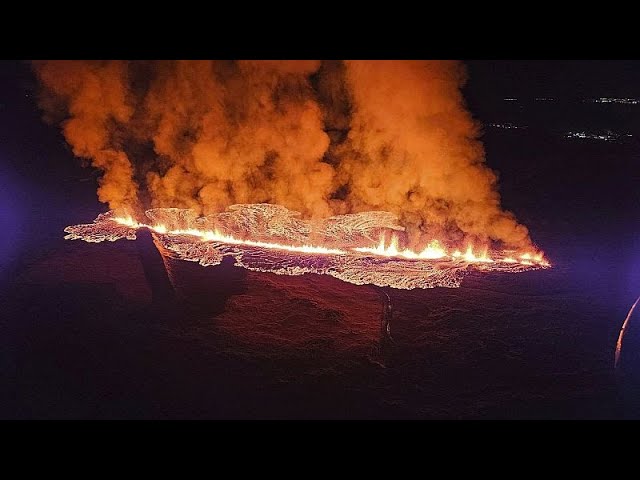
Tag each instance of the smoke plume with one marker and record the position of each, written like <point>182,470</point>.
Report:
<point>320,138</point>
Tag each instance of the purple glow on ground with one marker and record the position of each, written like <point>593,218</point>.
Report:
<point>11,217</point>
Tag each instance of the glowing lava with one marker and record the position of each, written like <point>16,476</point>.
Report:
<point>433,251</point>
<point>215,236</point>
<point>270,238</point>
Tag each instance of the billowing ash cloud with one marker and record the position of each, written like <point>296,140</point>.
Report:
<point>320,138</point>
<point>95,97</point>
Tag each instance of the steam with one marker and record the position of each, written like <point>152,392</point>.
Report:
<point>413,149</point>
<point>320,138</point>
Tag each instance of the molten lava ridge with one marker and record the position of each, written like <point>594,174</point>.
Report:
<point>271,238</point>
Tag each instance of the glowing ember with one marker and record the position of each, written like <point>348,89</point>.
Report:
<point>262,237</point>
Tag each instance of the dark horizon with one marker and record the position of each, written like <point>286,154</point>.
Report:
<point>568,79</point>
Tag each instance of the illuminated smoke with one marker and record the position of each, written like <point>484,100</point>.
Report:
<point>238,132</point>
<point>95,96</point>
<point>413,149</point>
<point>320,138</point>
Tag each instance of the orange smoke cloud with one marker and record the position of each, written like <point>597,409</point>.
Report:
<point>95,94</point>
<point>320,138</point>
<point>413,149</point>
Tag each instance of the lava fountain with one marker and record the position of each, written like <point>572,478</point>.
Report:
<point>271,238</point>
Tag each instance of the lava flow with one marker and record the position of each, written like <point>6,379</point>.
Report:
<point>215,236</point>
<point>270,238</point>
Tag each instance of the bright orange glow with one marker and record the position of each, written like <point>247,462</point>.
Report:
<point>469,256</point>
<point>214,236</point>
<point>128,221</point>
<point>433,251</point>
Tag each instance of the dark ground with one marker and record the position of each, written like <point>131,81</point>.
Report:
<point>82,337</point>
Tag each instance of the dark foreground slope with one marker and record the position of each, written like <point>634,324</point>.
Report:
<point>84,337</point>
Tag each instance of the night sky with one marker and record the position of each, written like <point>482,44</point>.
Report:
<point>492,80</point>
